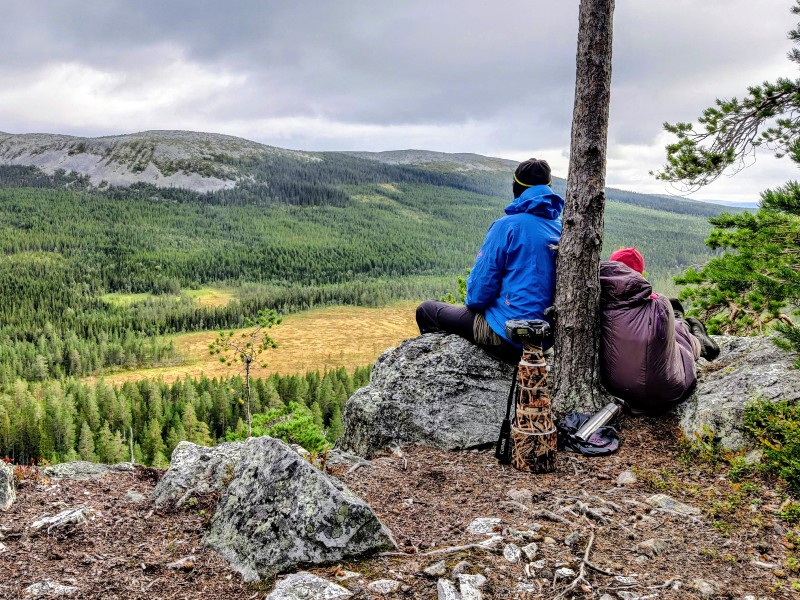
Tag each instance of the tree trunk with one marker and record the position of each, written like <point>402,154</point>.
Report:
<point>578,274</point>
<point>247,381</point>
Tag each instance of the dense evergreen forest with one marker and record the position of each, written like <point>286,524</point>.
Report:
<point>57,421</point>
<point>326,229</point>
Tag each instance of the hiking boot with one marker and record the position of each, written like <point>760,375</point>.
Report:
<point>708,347</point>
<point>677,307</point>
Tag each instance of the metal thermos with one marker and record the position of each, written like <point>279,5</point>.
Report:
<point>603,417</point>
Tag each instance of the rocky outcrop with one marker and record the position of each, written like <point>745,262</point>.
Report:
<point>7,490</point>
<point>276,511</point>
<point>747,369</point>
<point>438,390</point>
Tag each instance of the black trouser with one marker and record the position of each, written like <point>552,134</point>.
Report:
<point>433,316</point>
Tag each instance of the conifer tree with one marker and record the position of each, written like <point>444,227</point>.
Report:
<point>758,277</point>
<point>86,444</point>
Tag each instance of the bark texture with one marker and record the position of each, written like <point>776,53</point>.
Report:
<point>577,278</point>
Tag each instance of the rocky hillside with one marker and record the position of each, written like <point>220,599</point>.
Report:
<point>198,161</point>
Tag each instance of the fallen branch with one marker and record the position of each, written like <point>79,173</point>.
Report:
<point>543,513</point>
<point>582,572</point>
<point>440,551</point>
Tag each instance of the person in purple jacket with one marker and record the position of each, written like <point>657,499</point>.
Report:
<point>648,350</point>
<point>514,272</point>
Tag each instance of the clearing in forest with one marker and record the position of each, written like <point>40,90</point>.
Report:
<point>318,339</point>
<point>205,297</point>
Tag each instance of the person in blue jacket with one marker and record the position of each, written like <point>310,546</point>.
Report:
<point>514,274</point>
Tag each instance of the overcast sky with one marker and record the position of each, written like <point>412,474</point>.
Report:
<point>495,78</point>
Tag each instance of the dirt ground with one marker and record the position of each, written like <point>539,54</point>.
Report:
<point>738,544</point>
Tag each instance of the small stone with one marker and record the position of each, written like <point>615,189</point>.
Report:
<point>574,538</point>
<point>539,564</point>
<point>50,588</point>
<point>383,586</point>
<point>307,585</point>
<point>522,496</point>
<point>437,569</point>
<point>642,559</point>
<point>564,573</point>
<point>492,542</point>
<point>460,568</point>
<point>183,564</point>
<point>531,550</point>
<point>753,457</point>
<point>512,553</point>
<point>651,547</point>
<point>7,486</point>
<point>667,503</point>
<point>607,597</point>
<point>527,588</point>
<point>705,587</point>
<point>626,478</point>
<point>483,525</point>
<point>132,496</point>
<point>345,575</point>
<point>446,590</point>
<point>549,541</point>
<point>3,547</point>
<point>470,585</point>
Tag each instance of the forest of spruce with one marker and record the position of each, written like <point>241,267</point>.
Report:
<point>297,234</point>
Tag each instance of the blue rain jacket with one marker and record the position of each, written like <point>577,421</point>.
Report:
<point>514,276</point>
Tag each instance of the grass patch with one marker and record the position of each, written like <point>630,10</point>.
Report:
<point>209,297</point>
<point>315,340</point>
<point>776,427</point>
<point>120,299</point>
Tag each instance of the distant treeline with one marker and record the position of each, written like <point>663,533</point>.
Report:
<point>58,421</point>
<point>63,246</point>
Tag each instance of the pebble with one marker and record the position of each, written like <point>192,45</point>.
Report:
<point>642,559</point>
<point>492,542</point>
<point>530,550</point>
<point>345,575</point>
<point>705,587</point>
<point>483,525</point>
<point>383,586</point>
<point>539,564</point>
<point>522,496</point>
<point>132,496</point>
<point>519,534</point>
<point>565,573</point>
<point>183,564</point>
<point>574,538</point>
<point>437,569</point>
<point>607,597</point>
<point>512,553</point>
<point>445,590</point>
<point>50,588</point>
<point>626,478</point>
<point>3,547</point>
<point>651,547</point>
<point>459,568</point>
<point>664,501</point>
<point>527,588</point>
<point>549,541</point>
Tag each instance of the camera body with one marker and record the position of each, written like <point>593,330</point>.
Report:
<point>527,330</point>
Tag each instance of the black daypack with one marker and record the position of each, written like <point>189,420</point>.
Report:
<point>602,442</point>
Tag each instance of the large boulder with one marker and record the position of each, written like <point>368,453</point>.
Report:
<point>276,511</point>
<point>438,390</point>
<point>747,369</point>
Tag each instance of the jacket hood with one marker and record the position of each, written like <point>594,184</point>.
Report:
<point>539,200</point>
<point>622,286</point>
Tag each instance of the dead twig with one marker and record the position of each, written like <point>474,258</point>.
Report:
<point>581,573</point>
<point>440,551</point>
<point>543,513</point>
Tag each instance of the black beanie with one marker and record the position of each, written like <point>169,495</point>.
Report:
<point>532,172</point>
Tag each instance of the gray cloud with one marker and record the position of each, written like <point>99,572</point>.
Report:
<point>452,75</point>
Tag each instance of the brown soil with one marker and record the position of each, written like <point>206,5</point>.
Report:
<point>428,498</point>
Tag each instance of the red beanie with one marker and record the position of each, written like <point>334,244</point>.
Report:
<point>629,257</point>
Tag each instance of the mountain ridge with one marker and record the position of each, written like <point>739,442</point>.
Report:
<point>210,162</point>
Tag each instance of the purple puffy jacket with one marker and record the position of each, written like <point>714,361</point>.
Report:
<point>645,359</point>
